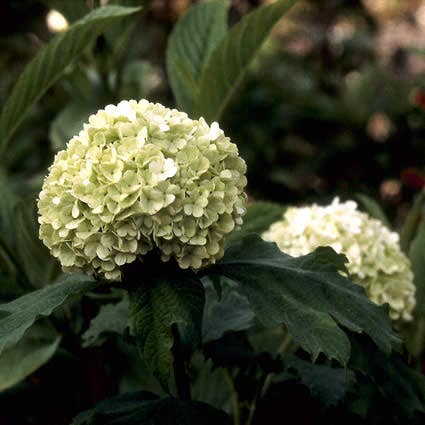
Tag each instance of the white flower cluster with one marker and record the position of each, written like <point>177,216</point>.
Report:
<point>141,176</point>
<point>375,260</point>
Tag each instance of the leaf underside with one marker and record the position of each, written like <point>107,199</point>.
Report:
<point>158,304</point>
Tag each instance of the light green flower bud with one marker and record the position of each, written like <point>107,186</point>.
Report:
<point>375,260</point>
<point>139,177</point>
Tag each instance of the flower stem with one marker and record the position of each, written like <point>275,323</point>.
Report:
<point>235,398</point>
<point>282,348</point>
<point>252,410</point>
<point>180,375</point>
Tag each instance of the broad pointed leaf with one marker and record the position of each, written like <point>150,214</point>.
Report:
<point>35,349</point>
<point>18,315</point>
<point>417,258</point>
<point>39,266</point>
<point>145,408</point>
<point>111,319</point>
<point>408,231</point>
<point>209,383</point>
<point>190,45</point>
<point>159,303</point>
<point>7,205</point>
<point>229,312</point>
<point>230,60</point>
<point>414,332</point>
<point>69,122</point>
<point>373,208</point>
<point>329,384</point>
<point>402,387</point>
<point>51,62</point>
<point>307,294</point>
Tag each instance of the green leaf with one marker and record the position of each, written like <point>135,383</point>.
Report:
<point>69,122</point>
<point>136,80</point>
<point>402,387</point>
<point>134,374</point>
<point>258,218</point>
<point>307,294</point>
<point>7,207</point>
<point>172,297</point>
<point>145,408</point>
<point>373,208</point>
<point>230,60</point>
<point>329,384</point>
<point>38,265</point>
<point>50,63</point>
<point>190,45</point>
<point>230,312</point>
<point>34,350</point>
<point>414,332</point>
<point>417,258</point>
<point>209,383</point>
<point>111,319</point>
<point>411,222</point>
<point>19,315</point>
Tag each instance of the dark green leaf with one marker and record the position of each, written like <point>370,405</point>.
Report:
<point>417,258</point>
<point>50,63</point>
<point>69,122</point>
<point>34,350</point>
<point>230,60</point>
<point>258,218</point>
<point>136,78</point>
<point>401,386</point>
<point>189,47</point>
<point>38,265</point>
<point>411,222</point>
<point>7,207</point>
<point>18,315</point>
<point>210,384</point>
<point>82,84</point>
<point>307,294</point>
<point>373,208</point>
<point>414,332</point>
<point>112,318</point>
<point>268,339</point>
<point>145,408</point>
<point>327,383</point>
<point>115,50</point>
<point>175,298</point>
<point>134,372</point>
<point>230,312</point>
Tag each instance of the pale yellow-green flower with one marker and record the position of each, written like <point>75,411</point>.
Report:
<point>139,177</point>
<point>375,260</point>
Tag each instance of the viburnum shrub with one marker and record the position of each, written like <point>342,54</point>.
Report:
<point>163,296</point>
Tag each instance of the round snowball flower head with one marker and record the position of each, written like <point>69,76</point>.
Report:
<point>375,260</point>
<point>141,177</point>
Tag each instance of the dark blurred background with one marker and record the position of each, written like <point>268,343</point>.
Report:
<point>334,105</point>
